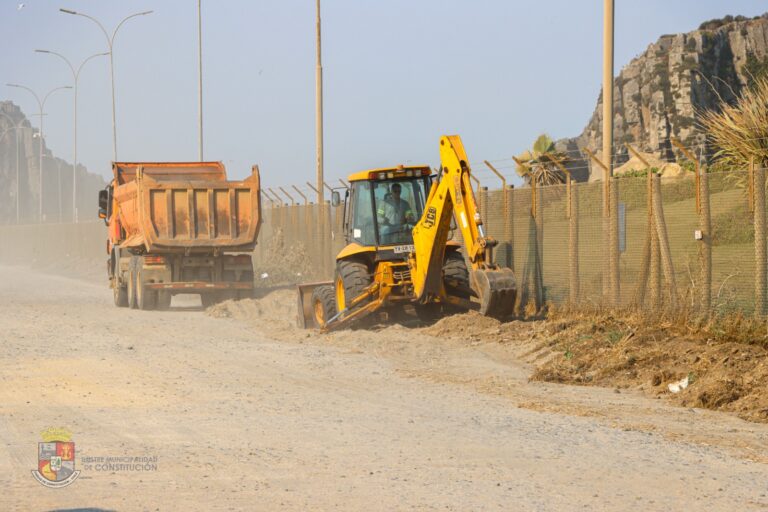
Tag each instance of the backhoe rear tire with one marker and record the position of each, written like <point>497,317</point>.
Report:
<point>323,305</point>
<point>355,278</point>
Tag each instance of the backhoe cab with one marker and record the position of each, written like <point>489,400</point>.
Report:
<point>397,223</point>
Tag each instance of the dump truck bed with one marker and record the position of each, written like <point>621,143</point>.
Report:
<point>186,207</point>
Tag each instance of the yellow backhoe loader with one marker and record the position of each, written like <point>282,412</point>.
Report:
<point>397,223</point>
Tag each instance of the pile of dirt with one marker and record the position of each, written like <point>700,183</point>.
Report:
<point>273,314</point>
<point>721,366</point>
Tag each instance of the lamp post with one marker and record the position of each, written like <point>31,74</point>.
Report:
<point>40,104</point>
<point>15,128</point>
<point>200,77</point>
<point>110,44</point>
<point>319,107</point>
<point>75,77</point>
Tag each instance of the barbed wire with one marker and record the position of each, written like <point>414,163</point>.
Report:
<point>480,170</point>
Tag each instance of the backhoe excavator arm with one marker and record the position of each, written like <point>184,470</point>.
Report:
<point>452,195</point>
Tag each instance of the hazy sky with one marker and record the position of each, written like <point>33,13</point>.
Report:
<point>398,74</point>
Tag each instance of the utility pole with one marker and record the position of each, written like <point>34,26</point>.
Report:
<point>200,77</point>
<point>76,78</point>
<point>110,45</point>
<point>41,105</point>
<point>610,194</point>
<point>15,128</point>
<point>319,112</point>
<point>608,89</point>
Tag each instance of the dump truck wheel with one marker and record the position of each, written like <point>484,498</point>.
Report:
<point>146,299</point>
<point>209,299</point>
<point>120,294</point>
<point>323,305</point>
<point>163,300</point>
<point>355,278</point>
<point>456,276</point>
<point>131,288</point>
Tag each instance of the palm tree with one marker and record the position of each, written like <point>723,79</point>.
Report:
<point>538,163</point>
<point>740,130</point>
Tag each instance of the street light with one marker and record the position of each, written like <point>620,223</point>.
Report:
<point>40,104</point>
<point>110,43</point>
<point>76,77</point>
<point>15,127</point>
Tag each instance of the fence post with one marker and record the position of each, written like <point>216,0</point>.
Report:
<point>483,197</point>
<point>705,249</point>
<point>613,240</point>
<point>507,212</point>
<point>573,242</point>
<point>329,234</point>
<point>661,230</point>
<point>509,225</point>
<point>761,276</point>
<point>539,250</point>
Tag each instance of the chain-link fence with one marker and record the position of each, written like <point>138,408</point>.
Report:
<point>682,242</point>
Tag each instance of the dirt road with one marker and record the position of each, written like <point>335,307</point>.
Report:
<point>240,419</point>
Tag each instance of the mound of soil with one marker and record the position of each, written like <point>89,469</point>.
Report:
<point>722,371</point>
<point>275,313</point>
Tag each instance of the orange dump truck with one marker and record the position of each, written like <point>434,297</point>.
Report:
<point>179,227</point>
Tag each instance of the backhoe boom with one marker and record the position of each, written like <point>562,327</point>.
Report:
<point>452,196</point>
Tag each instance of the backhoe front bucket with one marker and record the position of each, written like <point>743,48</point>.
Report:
<point>497,290</point>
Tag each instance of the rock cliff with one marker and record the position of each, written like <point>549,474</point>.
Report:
<point>659,94</point>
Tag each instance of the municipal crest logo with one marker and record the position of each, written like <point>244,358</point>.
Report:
<point>56,459</point>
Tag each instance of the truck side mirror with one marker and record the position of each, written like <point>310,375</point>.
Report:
<point>103,200</point>
<point>335,198</point>
<point>102,213</point>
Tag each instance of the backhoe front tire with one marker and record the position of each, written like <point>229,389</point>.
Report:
<point>355,278</point>
<point>323,305</point>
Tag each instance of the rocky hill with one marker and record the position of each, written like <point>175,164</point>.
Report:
<point>57,174</point>
<point>658,94</point>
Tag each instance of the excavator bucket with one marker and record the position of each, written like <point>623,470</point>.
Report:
<point>497,290</point>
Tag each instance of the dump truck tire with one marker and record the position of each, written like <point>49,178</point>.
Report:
<point>163,300</point>
<point>146,299</point>
<point>355,278</point>
<point>210,299</point>
<point>323,305</point>
<point>131,288</point>
<point>120,294</point>
<point>456,275</point>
